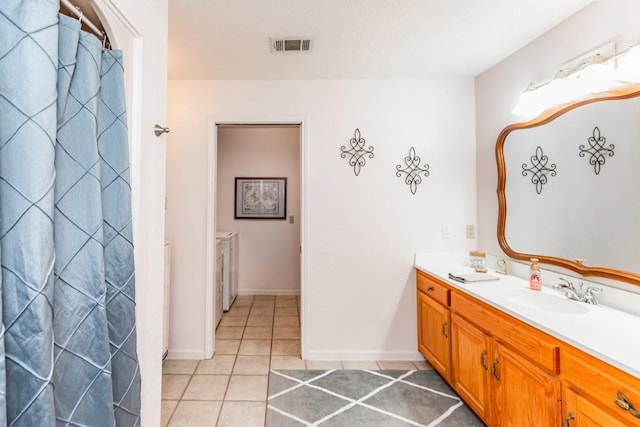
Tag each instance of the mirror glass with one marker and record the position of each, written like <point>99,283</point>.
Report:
<point>569,188</point>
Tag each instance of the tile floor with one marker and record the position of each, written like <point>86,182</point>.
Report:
<point>257,334</point>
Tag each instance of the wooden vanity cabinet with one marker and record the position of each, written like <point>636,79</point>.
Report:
<point>434,320</point>
<point>502,368</point>
<point>591,388</point>
<point>499,366</point>
<point>511,373</point>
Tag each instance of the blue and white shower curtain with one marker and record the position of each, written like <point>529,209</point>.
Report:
<point>67,331</point>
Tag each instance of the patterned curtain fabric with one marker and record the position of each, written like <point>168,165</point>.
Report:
<point>68,336</point>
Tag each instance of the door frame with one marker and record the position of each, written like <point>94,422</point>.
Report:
<point>128,31</point>
<point>212,174</point>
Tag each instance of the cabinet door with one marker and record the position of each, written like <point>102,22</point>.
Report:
<point>433,334</point>
<point>595,386</point>
<point>471,359</point>
<point>580,411</point>
<point>524,394</point>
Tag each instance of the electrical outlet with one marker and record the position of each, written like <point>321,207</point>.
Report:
<point>507,232</point>
<point>291,219</point>
<point>471,231</point>
<point>446,231</point>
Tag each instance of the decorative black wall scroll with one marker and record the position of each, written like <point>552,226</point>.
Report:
<point>539,169</point>
<point>597,151</point>
<point>412,170</point>
<point>357,152</point>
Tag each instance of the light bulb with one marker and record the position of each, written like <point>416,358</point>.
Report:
<point>629,68</point>
<point>560,91</point>
<point>528,104</point>
<point>595,78</point>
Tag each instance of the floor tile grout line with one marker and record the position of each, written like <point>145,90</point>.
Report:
<point>233,367</point>
<point>172,412</point>
<point>181,396</point>
<point>273,322</point>
<point>236,354</point>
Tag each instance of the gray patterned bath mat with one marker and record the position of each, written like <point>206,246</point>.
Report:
<point>337,398</point>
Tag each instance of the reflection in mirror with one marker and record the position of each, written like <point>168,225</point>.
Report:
<point>568,188</point>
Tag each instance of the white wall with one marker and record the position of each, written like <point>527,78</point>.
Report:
<point>360,233</point>
<point>269,255</point>
<point>498,89</point>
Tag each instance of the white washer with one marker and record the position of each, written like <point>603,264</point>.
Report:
<point>230,276</point>
<point>219,284</point>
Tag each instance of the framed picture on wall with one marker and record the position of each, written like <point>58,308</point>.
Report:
<point>261,198</point>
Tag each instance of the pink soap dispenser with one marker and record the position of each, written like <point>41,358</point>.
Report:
<point>535,279</point>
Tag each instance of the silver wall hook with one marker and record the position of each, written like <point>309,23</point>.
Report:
<point>159,130</point>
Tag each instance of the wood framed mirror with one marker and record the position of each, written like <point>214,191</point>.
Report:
<point>569,187</point>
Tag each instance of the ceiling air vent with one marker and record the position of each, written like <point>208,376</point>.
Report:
<point>290,44</point>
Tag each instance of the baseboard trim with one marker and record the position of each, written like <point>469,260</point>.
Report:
<point>319,355</point>
<point>185,354</point>
<point>411,356</point>
<point>268,291</point>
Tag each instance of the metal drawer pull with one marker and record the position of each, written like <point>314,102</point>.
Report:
<point>569,418</point>
<point>623,402</point>
<point>430,288</point>
<point>483,363</point>
<point>494,369</point>
<point>444,329</point>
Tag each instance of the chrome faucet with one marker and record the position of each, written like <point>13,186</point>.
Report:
<point>569,290</point>
<point>578,294</point>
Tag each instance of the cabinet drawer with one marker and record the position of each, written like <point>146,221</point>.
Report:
<point>601,382</point>
<point>433,288</point>
<point>526,340</point>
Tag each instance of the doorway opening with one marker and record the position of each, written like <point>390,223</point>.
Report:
<point>271,256</point>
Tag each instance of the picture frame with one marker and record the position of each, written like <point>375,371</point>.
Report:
<point>260,198</point>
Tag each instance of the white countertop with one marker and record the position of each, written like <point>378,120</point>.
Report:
<point>606,333</point>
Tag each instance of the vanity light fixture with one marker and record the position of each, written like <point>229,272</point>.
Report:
<point>594,75</point>
<point>629,69</point>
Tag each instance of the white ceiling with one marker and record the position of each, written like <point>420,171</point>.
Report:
<point>229,39</point>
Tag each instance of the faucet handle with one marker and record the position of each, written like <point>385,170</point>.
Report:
<point>589,297</point>
<point>567,284</point>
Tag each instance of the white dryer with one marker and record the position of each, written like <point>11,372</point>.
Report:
<point>219,284</point>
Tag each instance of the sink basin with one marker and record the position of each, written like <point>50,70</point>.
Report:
<point>543,302</point>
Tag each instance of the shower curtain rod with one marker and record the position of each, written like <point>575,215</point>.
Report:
<point>78,13</point>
